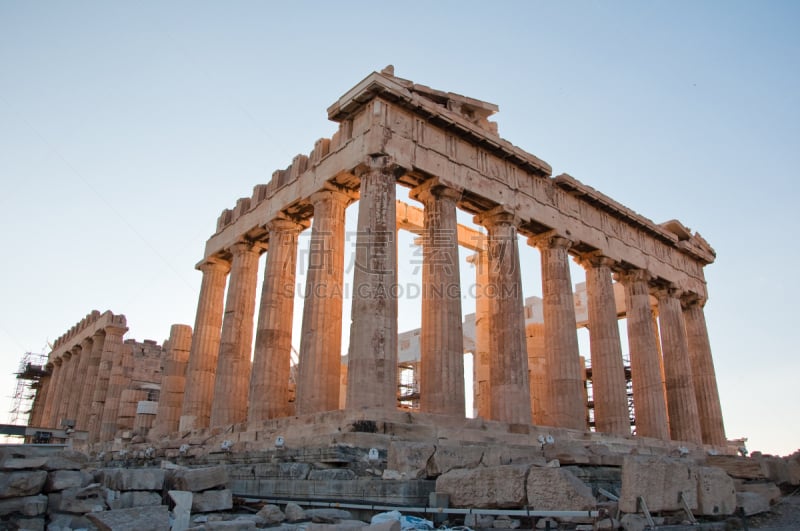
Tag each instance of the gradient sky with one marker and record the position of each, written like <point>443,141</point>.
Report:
<point>125,129</point>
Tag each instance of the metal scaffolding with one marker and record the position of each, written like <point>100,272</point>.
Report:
<point>29,374</point>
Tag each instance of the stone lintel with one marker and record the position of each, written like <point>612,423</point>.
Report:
<point>102,321</point>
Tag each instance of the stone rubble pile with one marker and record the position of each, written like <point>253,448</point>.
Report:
<point>59,490</point>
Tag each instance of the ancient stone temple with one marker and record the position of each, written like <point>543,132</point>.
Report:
<point>442,146</point>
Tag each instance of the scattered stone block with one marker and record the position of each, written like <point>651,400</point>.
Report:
<point>91,498</point>
<point>660,481</point>
<point>133,478</point>
<point>481,521</point>
<point>199,479</point>
<point>447,457</point>
<point>212,500</point>
<point>752,502</point>
<point>764,488</point>
<point>504,522</point>
<point>328,516</point>
<point>182,512</point>
<point>134,519</point>
<point>557,489</point>
<point>294,513</point>
<point>716,493</point>
<point>496,487</point>
<point>22,483</point>
<point>66,479</point>
<point>737,467</point>
<point>271,514</point>
<point>409,457</point>
<point>25,505</point>
<point>30,524</point>
<point>136,498</point>
<point>66,460</point>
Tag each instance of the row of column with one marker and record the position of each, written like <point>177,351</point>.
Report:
<point>78,387</point>
<point>222,389</point>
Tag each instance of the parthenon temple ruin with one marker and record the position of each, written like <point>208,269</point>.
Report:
<point>384,415</point>
<point>527,371</point>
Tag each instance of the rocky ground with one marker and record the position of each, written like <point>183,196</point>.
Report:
<point>783,516</point>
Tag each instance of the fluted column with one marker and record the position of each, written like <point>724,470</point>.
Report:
<point>117,383</point>
<point>565,402</point>
<point>684,421</point>
<point>650,407</point>
<point>318,378</point>
<point>233,361</point>
<point>537,372</point>
<point>510,390</point>
<point>442,339</point>
<point>481,357</point>
<point>74,408</point>
<point>200,373</point>
<point>173,380</point>
<point>703,373</point>
<point>68,389</point>
<point>608,370</point>
<point>269,382</point>
<point>111,343</point>
<point>93,357</point>
<point>52,392</point>
<point>40,401</point>
<point>372,355</point>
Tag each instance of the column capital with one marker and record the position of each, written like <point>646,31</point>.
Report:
<point>667,291</point>
<point>595,259</point>
<point>689,299</point>
<point>435,189</point>
<point>632,275</point>
<point>86,343</point>
<point>285,224</point>
<point>245,247</point>
<point>499,215</point>
<point>115,330</point>
<point>214,263</point>
<point>56,361</point>
<point>550,240</point>
<point>340,195</point>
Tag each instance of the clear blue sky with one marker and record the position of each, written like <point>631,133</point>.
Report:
<point>126,128</point>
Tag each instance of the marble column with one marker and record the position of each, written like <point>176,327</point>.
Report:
<point>68,390</point>
<point>703,373</point>
<point>269,382</point>
<point>372,355</point>
<point>608,370</point>
<point>650,407</point>
<point>537,372</point>
<point>201,371</point>
<point>173,380</point>
<point>441,376</point>
<point>74,408</point>
<point>318,375</point>
<point>565,402</point>
<point>110,341</point>
<point>509,388</point>
<point>481,367</point>
<point>236,339</point>
<point>40,401</point>
<point>684,421</point>
<point>50,407</point>
<point>93,358</point>
<point>117,383</point>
